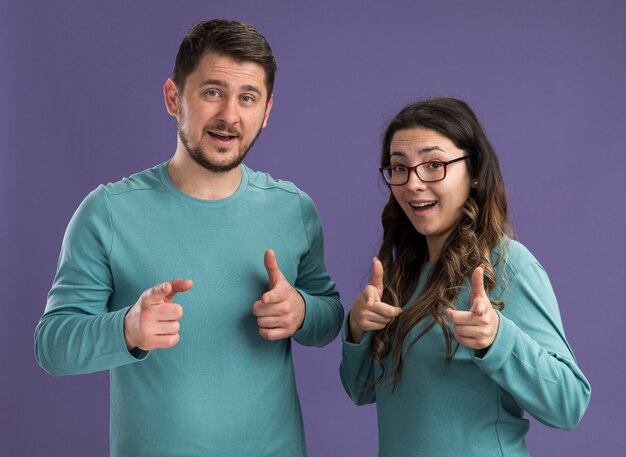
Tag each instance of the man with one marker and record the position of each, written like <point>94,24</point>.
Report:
<point>218,381</point>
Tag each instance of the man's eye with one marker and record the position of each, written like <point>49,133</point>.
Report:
<point>247,99</point>
<point>212,93</point>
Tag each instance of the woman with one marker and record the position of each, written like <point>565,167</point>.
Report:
<point>472,310</point>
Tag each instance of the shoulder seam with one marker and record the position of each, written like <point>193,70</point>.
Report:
<point>304,226</point>
<point>294,190</point>
<point>111,225</point>
<point>111,193</point>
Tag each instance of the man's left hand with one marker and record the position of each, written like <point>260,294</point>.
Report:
<point>280,311</point>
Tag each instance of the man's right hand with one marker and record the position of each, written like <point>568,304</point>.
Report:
<point>368,312</point>
<point>152,322</point>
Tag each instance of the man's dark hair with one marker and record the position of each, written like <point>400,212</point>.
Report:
<point>234,39</point>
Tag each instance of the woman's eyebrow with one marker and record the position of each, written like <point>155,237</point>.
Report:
<point>421,151</point>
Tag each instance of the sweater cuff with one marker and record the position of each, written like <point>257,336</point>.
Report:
<point>135,354</point>
<point>307,330</point>
<point>501,348</point>
<point>364,344</point>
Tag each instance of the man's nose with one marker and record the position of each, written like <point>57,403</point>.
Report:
<point>229,111</point>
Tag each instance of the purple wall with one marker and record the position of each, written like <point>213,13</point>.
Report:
<point>81,104</point>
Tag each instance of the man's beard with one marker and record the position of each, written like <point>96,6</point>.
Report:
<point>196,152</point>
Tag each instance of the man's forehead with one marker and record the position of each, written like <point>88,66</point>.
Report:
<point>229,73</point>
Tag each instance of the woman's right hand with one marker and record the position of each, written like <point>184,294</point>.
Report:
<point>368,312</point>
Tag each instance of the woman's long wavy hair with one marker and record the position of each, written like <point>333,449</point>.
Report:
<point>403,252</point>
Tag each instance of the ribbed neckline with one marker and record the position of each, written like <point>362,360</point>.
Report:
<point>228,201</point>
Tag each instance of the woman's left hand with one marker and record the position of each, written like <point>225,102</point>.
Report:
<point>476,328</point>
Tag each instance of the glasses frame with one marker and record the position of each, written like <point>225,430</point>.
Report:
<point>414,169</point>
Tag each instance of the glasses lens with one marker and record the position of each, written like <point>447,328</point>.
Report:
<point>432,171</point>
<point>395,174</point>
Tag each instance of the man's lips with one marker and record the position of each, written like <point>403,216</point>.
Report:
<point>222,136</point>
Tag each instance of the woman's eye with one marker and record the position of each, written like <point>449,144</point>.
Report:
<point>398,168</point>
<point>434,165</point>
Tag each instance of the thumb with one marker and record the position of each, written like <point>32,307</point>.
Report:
<point>157,293</point>
<point>478,282</point>
<point>377,275</point>
<point>480,302</point>
<point>271,266</point>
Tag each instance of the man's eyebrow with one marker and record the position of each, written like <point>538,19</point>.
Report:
<point>214,82</point>
<point>220,83</point>
<point>251,88</point>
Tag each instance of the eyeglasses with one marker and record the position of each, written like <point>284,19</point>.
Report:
<point>432,171</point>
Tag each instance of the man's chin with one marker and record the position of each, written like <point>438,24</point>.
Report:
<point>217,166</point>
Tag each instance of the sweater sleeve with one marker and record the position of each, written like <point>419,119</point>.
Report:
<point>357,367</point>
<point>324,312</point>
<point>77,334</point>
<point>530,357</point>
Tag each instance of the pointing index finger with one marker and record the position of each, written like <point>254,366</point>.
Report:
<point>165,291</point>
<point>179,285</point>
<point>383,309</point>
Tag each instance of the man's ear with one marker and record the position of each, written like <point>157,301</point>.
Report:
<point>268,109</point>
<point>171,96</point>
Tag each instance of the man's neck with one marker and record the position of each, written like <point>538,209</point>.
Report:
<point>198,182</point>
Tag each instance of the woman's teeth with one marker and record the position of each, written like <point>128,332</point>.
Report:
<point>422,205</point>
